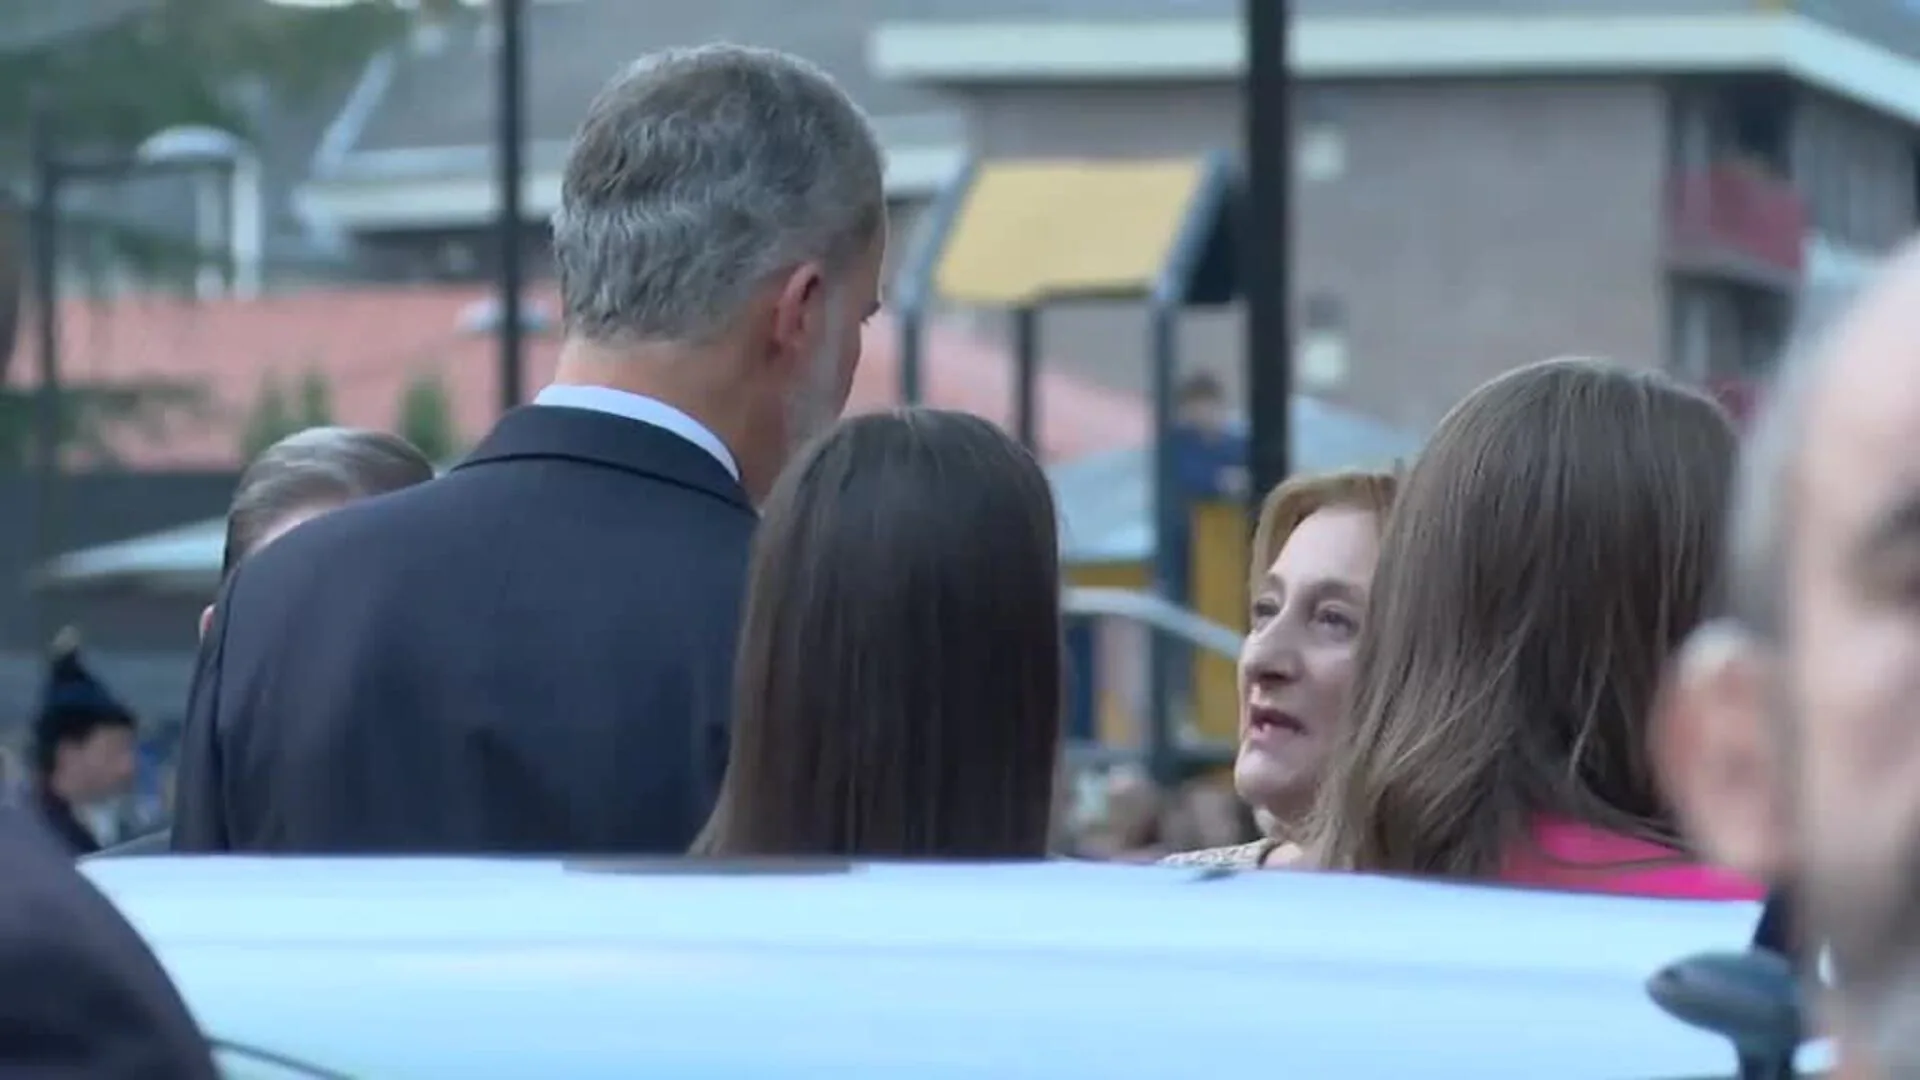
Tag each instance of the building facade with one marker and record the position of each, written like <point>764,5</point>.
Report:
<point>1655,183</point>
<point>1479,183</point>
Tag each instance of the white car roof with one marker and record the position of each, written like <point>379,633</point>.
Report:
<point>400,968</point>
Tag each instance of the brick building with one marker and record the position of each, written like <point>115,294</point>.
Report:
<point>1480,183</point>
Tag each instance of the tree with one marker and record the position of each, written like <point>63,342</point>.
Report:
<point>316,399</point>
<point>426,417</point>
<point>277,414</point>
<point>270,420</point>
<point>110,73</point>
<point>90,419</point>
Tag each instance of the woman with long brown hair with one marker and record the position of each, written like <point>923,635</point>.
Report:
<point>898,689</point>
<point>1557,539</point>
<point>1311,571</point>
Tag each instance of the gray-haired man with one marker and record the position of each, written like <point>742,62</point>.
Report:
<point>533,653</point>
<point>1791,737</point>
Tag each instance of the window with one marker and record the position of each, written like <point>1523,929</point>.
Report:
<point>1321,153</point>
<point>1320,144</point>
<point>1321,363</point>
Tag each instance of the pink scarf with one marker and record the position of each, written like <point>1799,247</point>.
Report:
<point>1568,855</point>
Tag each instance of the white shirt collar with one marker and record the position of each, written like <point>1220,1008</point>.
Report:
<point>644,409</point>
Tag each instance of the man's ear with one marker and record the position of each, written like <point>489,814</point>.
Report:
<point>206,621</point>
<point>798,311</point>
<point>1717,751</point>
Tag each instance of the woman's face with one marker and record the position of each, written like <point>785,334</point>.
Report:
<point>1297,662</point>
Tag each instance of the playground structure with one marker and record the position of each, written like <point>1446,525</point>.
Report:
<point>1026,235</point>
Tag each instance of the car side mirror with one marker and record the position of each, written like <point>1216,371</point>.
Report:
<point>1753,999</point>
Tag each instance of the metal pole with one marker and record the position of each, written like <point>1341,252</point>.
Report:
<point>1267,209</point>
<point>912,340</point>
<point>510,84</point>
<point>1172,551</point>
<point>1026,362</point>
<point>48,397</point>
<point>247,225</point>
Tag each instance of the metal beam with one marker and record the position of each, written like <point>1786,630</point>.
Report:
<point>48,396</point>
<point>1267,241</point>
<point>510,85</point>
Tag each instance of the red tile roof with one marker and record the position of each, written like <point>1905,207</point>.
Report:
<point>369,343</point>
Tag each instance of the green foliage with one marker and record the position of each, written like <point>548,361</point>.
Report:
<point>93,417</point>
<point>276,413</point>
<point>425,417</point>
<point>168,62</point>
<point>111,73</point>
<point>316,399</point>
<point>270,420</point>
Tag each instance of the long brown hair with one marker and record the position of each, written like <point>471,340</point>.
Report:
<point>898,687</point>
<point>1557,538</point>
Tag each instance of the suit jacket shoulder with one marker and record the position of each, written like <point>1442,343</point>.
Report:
<point>530,653</point>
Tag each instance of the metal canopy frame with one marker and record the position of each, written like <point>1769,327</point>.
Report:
<point>1199,268</point>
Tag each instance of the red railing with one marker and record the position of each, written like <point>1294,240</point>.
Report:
<point>1739,210</point>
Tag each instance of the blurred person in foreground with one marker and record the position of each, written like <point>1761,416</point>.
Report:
<point>1555,542</point>
<point>84,743</point>
<point>81,996</point>
<point>533,652</point>
<point>899,689</point>
<point>1791,736</point>
<point>1314,550</point>
<point>307,474</point>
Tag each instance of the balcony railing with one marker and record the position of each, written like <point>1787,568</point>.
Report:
<point>1739,220</point>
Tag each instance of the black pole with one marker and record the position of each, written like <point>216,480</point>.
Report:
<point>1267,251</point>
<point>511,138</point>
<point>47,398</point>
<point>1026,363</point>
<point>1172,549</point>
<point>912,340</point>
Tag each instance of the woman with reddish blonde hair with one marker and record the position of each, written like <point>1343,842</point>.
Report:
<point>1310,576</point>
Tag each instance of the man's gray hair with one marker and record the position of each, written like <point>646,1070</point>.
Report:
<point>700,173</point>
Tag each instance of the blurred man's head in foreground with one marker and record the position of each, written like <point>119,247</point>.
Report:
<point>1791,733</point>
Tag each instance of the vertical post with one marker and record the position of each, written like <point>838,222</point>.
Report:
<point>1170,547</point>
<point>248,227</point>
<point>510,148</point>
<point>1083,682</point>
<point>210,206</point>
<point>1268,242</point>
<point>47,399</point>
<point>1026,363</point>
<point>912,341</point>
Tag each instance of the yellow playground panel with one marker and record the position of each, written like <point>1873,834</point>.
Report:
<point>1024,235</point>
